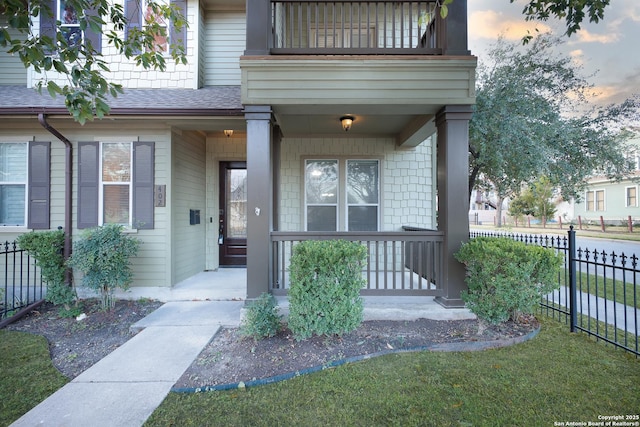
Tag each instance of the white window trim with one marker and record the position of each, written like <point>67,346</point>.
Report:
<point>342,206</point>
<point>626,196</point>
<point>101,185</point>
<point>595,200</point>
<point>26,190</point>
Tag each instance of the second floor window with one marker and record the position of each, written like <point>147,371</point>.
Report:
<point>69,19</point>
<point>151,17</point>
<point>69,23</point>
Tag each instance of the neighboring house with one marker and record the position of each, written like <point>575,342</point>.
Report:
<point>280,75</point>
<point>614,201</point>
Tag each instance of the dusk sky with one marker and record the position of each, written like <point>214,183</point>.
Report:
<point>610,48</point>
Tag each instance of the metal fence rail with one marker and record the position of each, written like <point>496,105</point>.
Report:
<point>598,291</point>
<point>21,283</point>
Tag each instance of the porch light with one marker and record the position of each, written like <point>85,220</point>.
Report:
<point>346,122</point>
<point>228,132</point>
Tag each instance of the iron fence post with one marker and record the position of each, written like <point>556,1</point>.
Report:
<point>573,309</point>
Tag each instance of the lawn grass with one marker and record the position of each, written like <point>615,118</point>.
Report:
<point>556,377</point>
<point>629,294</point>
<point>27,375</point>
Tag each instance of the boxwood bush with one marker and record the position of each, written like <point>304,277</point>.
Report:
<point>324,296</point>
<point>506,278</point>
<point>262,318</point>
<point>46,248</point>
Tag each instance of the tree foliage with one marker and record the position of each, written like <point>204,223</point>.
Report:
<point>82,65</point>
<point>532,118</point>
<point>573,12</point>
<point>535,200</point>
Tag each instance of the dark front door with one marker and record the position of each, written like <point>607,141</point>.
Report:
<point>232,232</point>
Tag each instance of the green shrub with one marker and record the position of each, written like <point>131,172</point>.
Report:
<point>326,278</point>
<point>46,248</point>
<point>506,278</point>
<point>261,318</point>
<point>102,255</point>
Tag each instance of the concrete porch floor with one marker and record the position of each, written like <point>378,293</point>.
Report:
<point>229,284</point>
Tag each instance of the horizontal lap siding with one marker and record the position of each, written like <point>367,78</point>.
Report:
<point>12,70</point>
<point>188,187</point>
<point>225,43</point>
<point>151,266</point>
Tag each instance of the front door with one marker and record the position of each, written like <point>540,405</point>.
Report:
<point>232,227</point>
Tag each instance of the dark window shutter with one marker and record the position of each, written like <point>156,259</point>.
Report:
<point>133,14</point>
<point>88,175</point>
<point>39,185</point>
<point>179,36</point>
<point>48,19</point>
<point>91,36</point>
<point>143,165</point>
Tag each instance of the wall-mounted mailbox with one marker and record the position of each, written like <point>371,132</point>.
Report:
<point>194,216</point>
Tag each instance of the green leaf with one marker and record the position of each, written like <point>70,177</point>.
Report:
<point>53,89</point>
<point>60,67</point>
<point>444,11</point>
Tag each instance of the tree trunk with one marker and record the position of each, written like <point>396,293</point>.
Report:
<point>499,211</point>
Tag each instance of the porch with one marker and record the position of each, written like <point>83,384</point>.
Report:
<point>230,284</point>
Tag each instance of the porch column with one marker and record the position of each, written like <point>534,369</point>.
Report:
<point>259,198</point>
<point>453,204</point>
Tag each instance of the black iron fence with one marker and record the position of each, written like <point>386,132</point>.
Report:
<point>598,291</point>
<point>21,283</point>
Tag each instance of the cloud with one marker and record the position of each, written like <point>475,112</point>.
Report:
<point>489,24</point>
<point>584,36</point>
<point>617,91</point>
<point>577,56</point>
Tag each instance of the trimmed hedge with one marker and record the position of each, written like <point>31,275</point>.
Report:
<point>326,278</point>
<point>506,278</point>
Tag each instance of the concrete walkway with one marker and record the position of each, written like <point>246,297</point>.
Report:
<point>625,317</point>
<point>124,388</point>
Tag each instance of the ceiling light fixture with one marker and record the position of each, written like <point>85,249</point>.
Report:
<point>228,132</point>
<point>347,121</point>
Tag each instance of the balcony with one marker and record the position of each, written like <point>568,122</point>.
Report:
<point>354,28</point>
<point>347,27</point>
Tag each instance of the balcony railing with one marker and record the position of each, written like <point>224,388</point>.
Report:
<point>398,263</point>
<point>353,27</point>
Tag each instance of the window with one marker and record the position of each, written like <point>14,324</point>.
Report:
<point>151,17</point>
<point>69,23</point>
<point>24,184</point>
<point>139,14</point>
<point>321,188</point>
<point>599,200</point>
<point>342,194</point>
<point>595,200</point>
<point>13,184</point>
<point>631,196</point>
<point>116,184</point>
<point>362,195</point>
<point>70,20</point>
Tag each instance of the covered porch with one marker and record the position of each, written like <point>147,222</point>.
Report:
<point>230,284</point>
